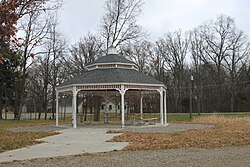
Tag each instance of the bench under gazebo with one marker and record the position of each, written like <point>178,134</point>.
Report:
<point>112,73</point>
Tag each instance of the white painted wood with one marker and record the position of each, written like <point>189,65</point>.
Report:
<point>112,86</point>
<point>74,107</point>
<point>161,105</point>
<point>165,107</point>
<point>122,91</point>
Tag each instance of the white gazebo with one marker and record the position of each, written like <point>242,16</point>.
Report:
<point>112,72</point>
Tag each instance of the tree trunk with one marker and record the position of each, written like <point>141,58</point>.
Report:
<point>97,111</point>
<point>1,104</point>
<point>45,114</point>
<point>39,114</point>
<point>45,102</point>
<point>232,103</point>
<point>1,112</point>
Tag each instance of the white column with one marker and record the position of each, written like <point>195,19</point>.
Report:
<point>141,106</point>
<point>165,107</point>
<point>122,91</point>
<point>74,107</point>
<point>57,107</point>
<point>161,105</point>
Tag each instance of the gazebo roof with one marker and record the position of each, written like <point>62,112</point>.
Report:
<point>112,75</point>
<point>112,69</point>
<point>111,58</point>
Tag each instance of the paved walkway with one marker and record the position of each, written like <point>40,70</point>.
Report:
<point>69,142</point>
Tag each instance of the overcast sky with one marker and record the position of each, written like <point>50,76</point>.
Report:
<point>78,17</point>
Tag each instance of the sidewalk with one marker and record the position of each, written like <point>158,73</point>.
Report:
<point>69,142</point>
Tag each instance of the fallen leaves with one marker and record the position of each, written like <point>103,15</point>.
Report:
<point>227,132</point>
<point>13,140</point>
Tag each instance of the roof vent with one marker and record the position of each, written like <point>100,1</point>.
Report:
<point>112,51</point>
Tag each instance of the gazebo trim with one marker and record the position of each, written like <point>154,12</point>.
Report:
<point>115,63</point>
<point>106,86</point>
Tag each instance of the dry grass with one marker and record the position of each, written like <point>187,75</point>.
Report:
<point>228,131</point>
<point>13,140</point>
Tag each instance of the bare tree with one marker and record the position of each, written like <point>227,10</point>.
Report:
<point>87,50</point>
<point>45,78</point>
<point>218,36</point>
<point>57,45</point>
<point>34,31</point>
<point>218,40</point>
<point>197,52</point>
<point>173,48</point>
<point>33,28</point>
<point>140,53</point>
<point>237,57</point>
<point>119,24</point>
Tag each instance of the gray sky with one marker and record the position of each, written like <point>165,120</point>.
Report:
<point>78,17</point>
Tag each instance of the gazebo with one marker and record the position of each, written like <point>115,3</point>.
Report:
<point>112,72</point>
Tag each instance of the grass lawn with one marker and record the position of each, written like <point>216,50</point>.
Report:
<point>13,140</point>
<point>229,130</point>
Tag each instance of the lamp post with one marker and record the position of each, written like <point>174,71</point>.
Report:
<point>191,95</point>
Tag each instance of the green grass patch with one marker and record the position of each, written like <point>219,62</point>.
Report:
<point>185,117</point>
<point>171,117</point>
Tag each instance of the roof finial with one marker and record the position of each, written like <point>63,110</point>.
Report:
<point>112,50</point>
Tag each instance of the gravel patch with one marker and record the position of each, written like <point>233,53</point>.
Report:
<point>142,128</point>
<point>170,128</point>
<point>196,157</point>
<point>42,128</point>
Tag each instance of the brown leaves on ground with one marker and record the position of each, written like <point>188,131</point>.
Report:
<point>13,140</point>
<point>227,132</point>
<point>114,131</point>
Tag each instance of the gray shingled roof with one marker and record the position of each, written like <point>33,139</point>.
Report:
<point>111,75</point>
<point>112,58</point>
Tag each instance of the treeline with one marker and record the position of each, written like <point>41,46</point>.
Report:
<point>216,54</point>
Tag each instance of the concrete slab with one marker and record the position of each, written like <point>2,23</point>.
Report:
<point>69,142</point>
